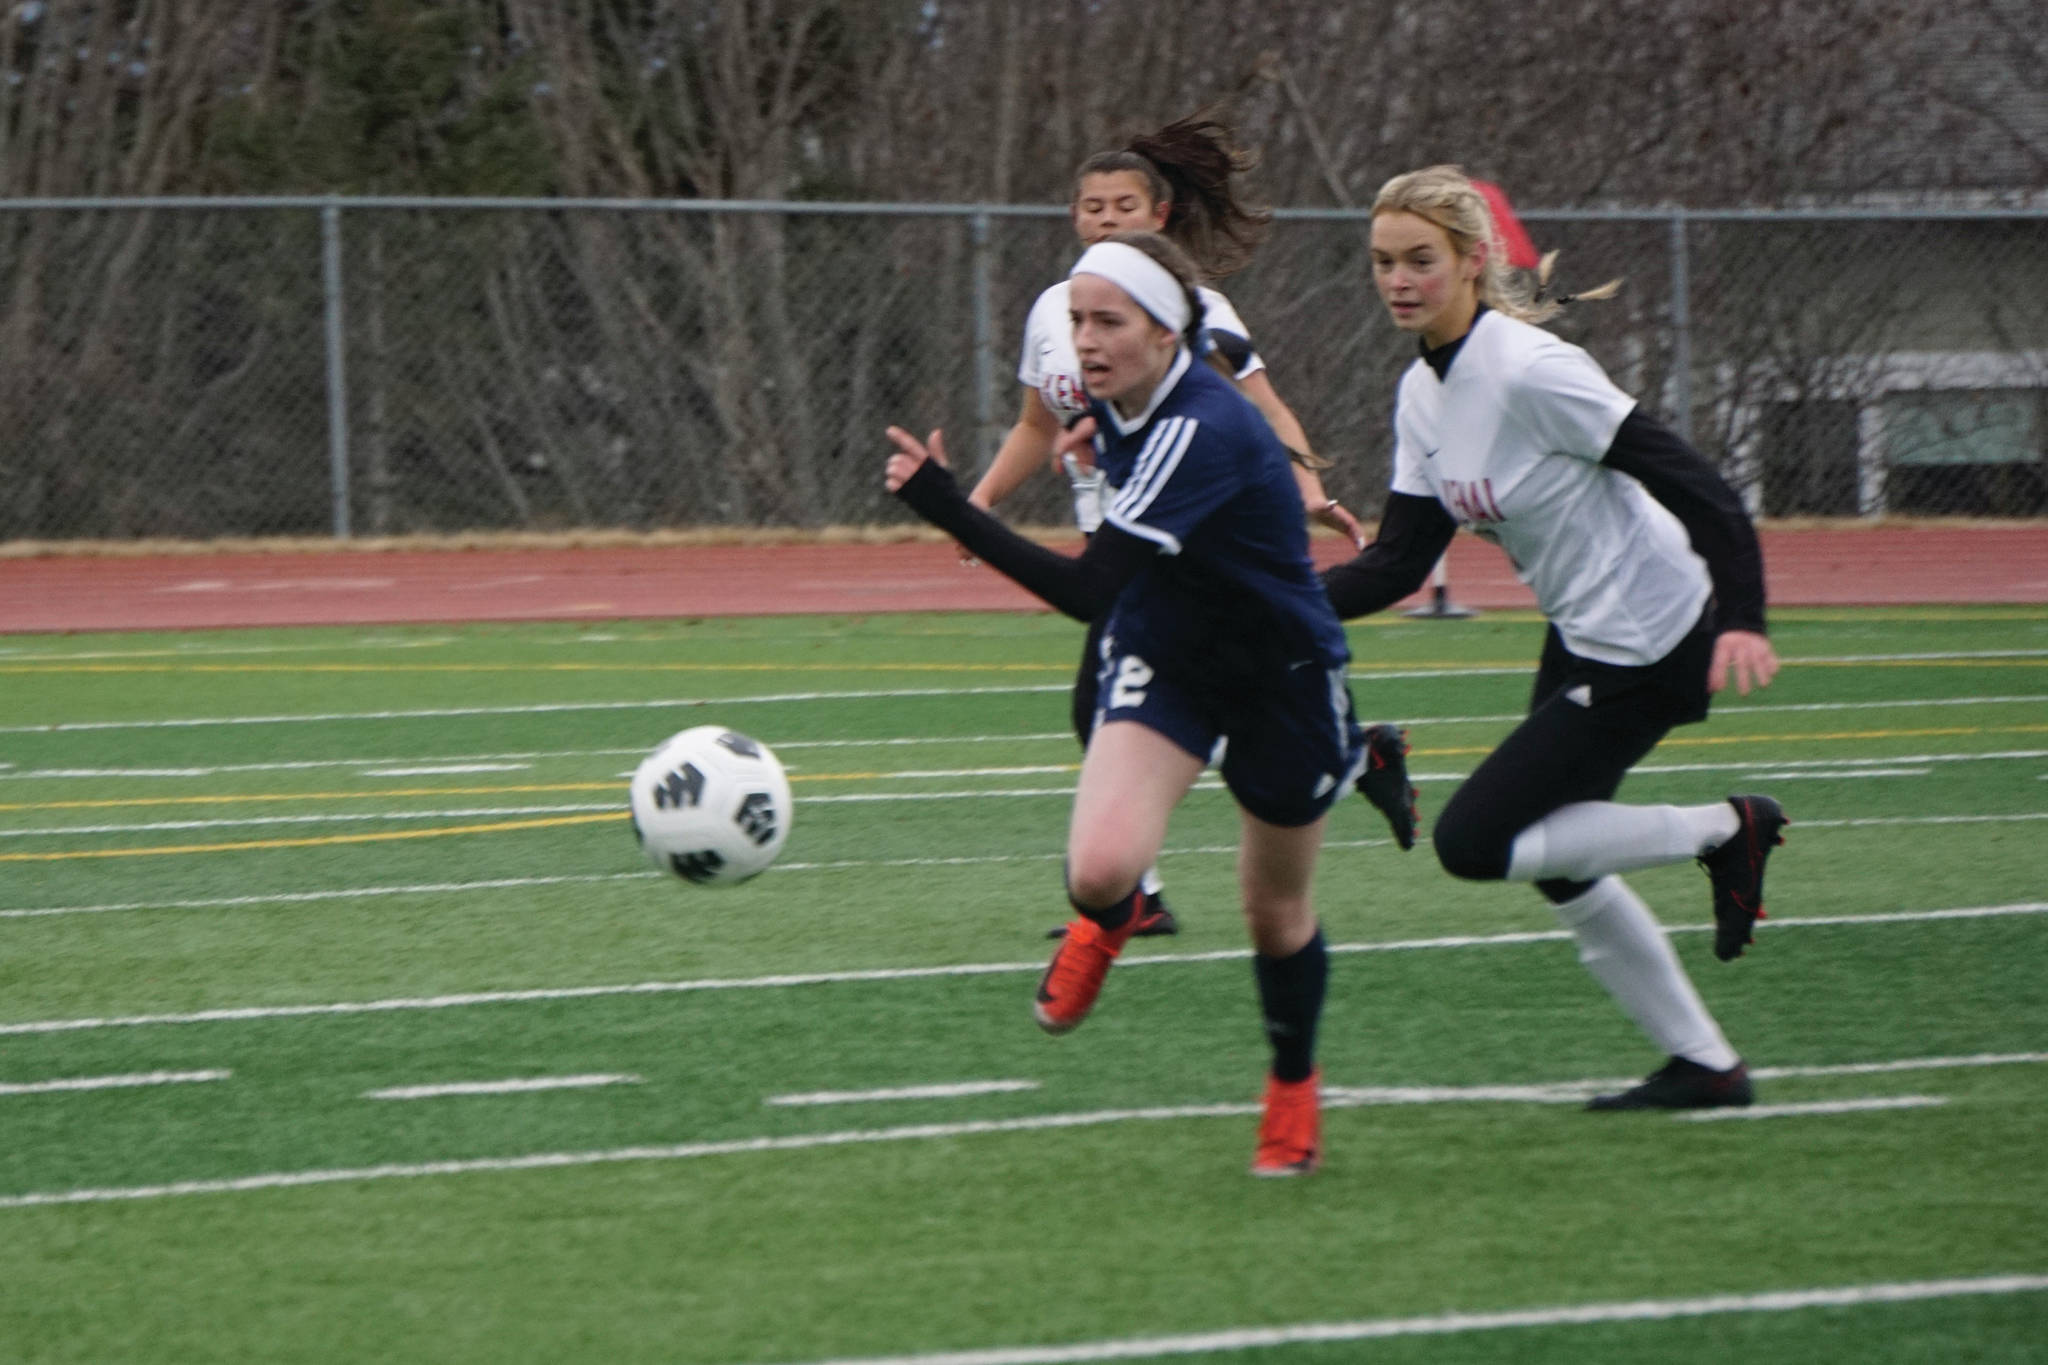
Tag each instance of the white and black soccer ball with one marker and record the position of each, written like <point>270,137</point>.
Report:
<point>711,806</point>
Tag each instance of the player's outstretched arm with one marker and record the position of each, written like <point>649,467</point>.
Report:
<point>1414,532</point>
<point>1082,588</point>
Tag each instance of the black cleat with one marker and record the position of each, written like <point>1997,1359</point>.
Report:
<point>1155,920</point>
<point>1736,869</point>
<point>1680,1084</point>
<point>1385,780</point>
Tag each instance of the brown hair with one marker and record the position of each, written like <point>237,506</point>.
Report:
<point>1444,196</point>
<point>1191,166</point>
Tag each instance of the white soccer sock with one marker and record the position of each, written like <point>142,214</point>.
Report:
<point>1150,883</point>
<point>1622,945</point>
<point>1587,840</point>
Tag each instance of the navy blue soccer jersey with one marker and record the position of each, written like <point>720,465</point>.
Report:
<point>1232,591</point>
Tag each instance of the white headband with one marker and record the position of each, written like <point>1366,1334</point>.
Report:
<point>1151,285</point>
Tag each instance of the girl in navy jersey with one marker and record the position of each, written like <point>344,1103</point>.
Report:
<point>1649,571</point>
<point>1215,627</point>
<point>1180,181</point>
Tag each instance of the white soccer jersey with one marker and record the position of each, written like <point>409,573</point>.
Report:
<point>1510,443</point>
<point>1050,365</point>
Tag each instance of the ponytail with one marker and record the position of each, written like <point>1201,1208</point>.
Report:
<point>1192,165</point>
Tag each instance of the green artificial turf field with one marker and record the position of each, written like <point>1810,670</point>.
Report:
<point>255,886</point>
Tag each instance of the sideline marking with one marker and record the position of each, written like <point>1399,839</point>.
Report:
<point>620,813</point>
<point>681,1151</point>
<point>439,769</point>
<point>1774,1111</point>
<point>956,1090</point>
<point>228,1014</point>
<point>1061,736</point>
<point>882,694</point>
<point>339,893</point>
<point>531,709</point>
<point>531,756</point>
<point>140,1078</point>
<point>1451,1324</point>
<point>519,1086</point>
<point>246,821</point>
<point>324,840</point>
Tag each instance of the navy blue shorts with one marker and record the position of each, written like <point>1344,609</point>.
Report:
<point>1288,749</point>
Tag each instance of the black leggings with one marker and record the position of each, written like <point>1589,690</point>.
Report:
<point>1588,724</point>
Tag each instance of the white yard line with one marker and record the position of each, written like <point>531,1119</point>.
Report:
<point>1840,774</point>
<point>530,756</point>
<point>336,894</point>
<point>953,1090</point>
<point>523,1085</point>
<point>530,709</point>
<point>1821,1107</point>
<point>1360,675</point>
<point>1062,737</point>
<point>435,770</point>
<point>1335,1098</point>
<point>1458,1324</point>
<point>131,1081</point>
<point>333,818</point>
<point>784,980</point>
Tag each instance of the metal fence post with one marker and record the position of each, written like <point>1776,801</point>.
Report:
<point>1681,328</point>
<point>337,371</point>
<point>984,343</point>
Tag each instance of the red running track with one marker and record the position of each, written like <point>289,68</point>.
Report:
<point>1885,565</point>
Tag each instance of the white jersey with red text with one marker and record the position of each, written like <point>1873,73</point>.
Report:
<point>1049,364</point>
<point>1509,439</point>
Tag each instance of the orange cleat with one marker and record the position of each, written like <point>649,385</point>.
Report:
<point>1074,977</point>
<point>1291,1133</point>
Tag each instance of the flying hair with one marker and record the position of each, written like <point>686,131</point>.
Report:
<point>1445,196</point>
<point>1192,165</point>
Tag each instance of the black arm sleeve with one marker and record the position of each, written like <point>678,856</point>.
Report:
<point>1680,478</point>
<point>1082,587</point>
<point>1413,535</point>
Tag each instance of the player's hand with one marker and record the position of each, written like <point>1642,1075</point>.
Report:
<point>1743,657</point>
<point>1078,441</point>
<point>909,455</point>
<point>1338,518</point>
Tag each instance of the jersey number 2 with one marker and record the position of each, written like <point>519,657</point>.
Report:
<point>1132,674</point>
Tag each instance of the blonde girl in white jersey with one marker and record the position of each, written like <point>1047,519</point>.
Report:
<point>1181,182</point>
<point>1649,572</point>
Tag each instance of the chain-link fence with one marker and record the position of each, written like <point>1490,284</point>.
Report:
<point>197,368</point>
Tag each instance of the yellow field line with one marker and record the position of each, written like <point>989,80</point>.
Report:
<point>514,789</point>
<point>554,822</point>
<point>109,803</point>
<point>251,844</point>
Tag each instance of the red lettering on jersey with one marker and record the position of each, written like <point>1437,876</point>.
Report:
<point>1063,394</point>
<point>1472,501</point>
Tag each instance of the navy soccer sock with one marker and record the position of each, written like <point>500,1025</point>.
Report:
<point>1291,997</point>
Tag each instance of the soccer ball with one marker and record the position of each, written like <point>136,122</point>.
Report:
<point>711,806</point>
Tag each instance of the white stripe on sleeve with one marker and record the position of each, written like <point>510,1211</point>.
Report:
<point>1156,463</point>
